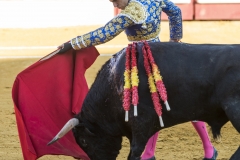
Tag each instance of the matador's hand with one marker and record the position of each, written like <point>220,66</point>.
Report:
<point>64,47</point>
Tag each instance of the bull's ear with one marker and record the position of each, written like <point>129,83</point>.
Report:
<point>89,132</point>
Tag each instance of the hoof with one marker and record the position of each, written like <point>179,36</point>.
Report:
<point>152,158</point>
<point>214,157</point>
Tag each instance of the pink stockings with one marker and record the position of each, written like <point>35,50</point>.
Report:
<point>150,147</point>
<point>202,132</point>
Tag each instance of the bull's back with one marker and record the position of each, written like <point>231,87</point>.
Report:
<point>186,68</point>
<point>191,72</point>
<point>199,63</point>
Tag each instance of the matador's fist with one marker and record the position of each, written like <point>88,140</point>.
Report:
<point>64,47</point>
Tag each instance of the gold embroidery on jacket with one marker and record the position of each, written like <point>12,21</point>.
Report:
<point>135,11</point>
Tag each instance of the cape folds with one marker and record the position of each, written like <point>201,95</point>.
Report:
<point>46,95</point>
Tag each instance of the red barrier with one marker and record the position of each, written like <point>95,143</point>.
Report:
<point>225,11</point>
<point>205,11</point>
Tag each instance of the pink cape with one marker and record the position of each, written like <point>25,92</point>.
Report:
<point>46,95</point>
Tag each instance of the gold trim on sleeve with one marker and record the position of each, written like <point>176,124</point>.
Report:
<point>74,44</point>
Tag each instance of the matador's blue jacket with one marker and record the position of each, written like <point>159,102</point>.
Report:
<point>140,20</point>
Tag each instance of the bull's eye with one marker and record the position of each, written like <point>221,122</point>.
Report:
<point>83,142</point>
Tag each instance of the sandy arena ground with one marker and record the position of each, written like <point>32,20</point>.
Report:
<point>180,142</point>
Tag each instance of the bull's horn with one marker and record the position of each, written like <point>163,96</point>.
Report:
<point>66,128</point>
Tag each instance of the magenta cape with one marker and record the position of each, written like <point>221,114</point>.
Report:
<point>46,95</point>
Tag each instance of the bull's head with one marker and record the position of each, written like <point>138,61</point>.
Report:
<point>97,144</point>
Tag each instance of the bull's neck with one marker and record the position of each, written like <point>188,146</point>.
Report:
<point>100,92</point>
<point>102,102</point>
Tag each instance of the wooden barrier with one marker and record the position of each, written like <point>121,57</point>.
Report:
<point>217,10</point>
<point>205,9</point>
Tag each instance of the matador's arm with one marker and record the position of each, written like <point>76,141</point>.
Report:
<point>175,18</point>
<point>134,13</point>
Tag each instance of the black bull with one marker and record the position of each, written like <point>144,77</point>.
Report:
<point>202,82</point>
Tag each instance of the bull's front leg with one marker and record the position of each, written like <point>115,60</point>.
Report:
<point>137,146</point>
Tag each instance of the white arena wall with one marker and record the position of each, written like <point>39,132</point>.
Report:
<point>54,13</point>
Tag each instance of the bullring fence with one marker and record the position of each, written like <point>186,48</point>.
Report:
<point>60,13</point>
<point>206,9</point>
